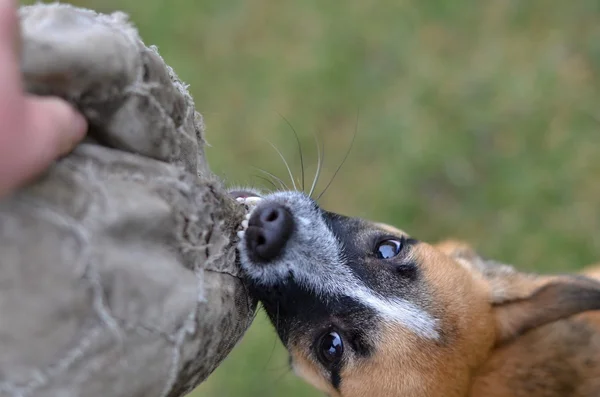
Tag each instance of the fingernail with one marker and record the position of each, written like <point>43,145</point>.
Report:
<point>76,132</point>
<point>79,125</point>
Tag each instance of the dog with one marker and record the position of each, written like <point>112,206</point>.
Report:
<point>364,309</point>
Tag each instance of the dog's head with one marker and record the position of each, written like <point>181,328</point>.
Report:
<point>365,309</point>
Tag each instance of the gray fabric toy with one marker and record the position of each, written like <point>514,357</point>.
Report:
<point>117,266</point>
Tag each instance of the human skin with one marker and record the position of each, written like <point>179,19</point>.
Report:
<point>34,130</point>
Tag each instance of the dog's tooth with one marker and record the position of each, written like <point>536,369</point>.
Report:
<point>241,234</point>
<point>245,224</point>
<point>240,199</point>
<point>253,200</point>
<point>248,215</point>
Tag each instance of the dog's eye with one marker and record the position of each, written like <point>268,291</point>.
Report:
<point>330,349</point>
<point>388,248</point>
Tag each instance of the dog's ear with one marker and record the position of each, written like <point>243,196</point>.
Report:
<point>520,301</point>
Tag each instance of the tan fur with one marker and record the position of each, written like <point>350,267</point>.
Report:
<point>563,355</point>
<point>308,370</point>
<point>390,229</point>
<point>593,271</point>
<point>504,334</point>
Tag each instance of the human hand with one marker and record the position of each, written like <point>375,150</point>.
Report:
<point>34,131</point>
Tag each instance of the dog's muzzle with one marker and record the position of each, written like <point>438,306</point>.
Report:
<point>266,229</point>
<point>269,228</point>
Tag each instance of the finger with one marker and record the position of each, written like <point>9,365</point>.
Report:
<point>56,126</point>
<point>10,75</point>
<point>52,129</point>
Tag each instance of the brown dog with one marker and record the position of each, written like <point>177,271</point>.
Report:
<point>366,310</point>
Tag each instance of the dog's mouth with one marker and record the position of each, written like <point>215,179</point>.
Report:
<point>250,202</point>
<point>266,230</point>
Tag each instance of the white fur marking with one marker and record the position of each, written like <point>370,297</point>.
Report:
<point>325,275</point>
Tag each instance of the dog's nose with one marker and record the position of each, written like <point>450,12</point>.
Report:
<point>269,229</point>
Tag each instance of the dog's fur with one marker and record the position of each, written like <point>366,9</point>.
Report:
<point>434,320</point>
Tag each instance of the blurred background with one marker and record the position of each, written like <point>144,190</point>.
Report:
<point>477,119</point>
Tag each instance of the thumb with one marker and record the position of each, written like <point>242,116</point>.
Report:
<point>47,128</point>
<point>10,75</point>
<point>53,128</point>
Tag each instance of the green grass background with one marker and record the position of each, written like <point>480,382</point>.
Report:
<point>477,119</point>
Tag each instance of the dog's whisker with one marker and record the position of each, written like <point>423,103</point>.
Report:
<point>279,378</point>
<point>320,156</point>
<point>279,368</point>
<point>274,341</point>
<point>275,336</point>
<point>270,181</point>
<point>287,166</point>
<point>277,317</point>
<point>299,147</point>
<point>274,178</point>
<point>344,159</point>
<point>278,179</point>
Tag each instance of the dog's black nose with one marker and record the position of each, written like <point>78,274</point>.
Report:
<point>269,229</point>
